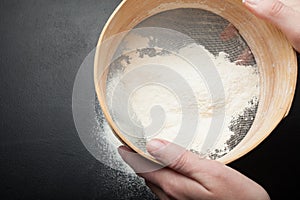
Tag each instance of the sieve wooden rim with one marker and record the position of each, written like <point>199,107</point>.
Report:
<point>275,57</point>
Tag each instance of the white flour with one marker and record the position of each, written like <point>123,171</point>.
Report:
<point>241,86</point>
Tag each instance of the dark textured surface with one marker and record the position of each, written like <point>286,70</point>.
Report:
<point>43,43</point>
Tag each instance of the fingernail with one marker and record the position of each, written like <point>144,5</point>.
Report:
<point>123,150</point>
<point>253,2</point>
<point>154,145</point>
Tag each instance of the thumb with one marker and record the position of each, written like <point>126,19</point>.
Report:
<point>273,10</point>
<point>178,158</point>
<point>276,12</point>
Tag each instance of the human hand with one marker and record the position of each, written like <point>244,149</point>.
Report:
<point>284,14</point>
<point>187,176</point>
<point>246,56</point>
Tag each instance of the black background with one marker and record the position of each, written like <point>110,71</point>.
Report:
<point>43,44</point>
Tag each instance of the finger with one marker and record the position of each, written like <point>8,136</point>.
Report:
<point>157,191</point>
<point>245,58</point>
<point>292,4</point>
<point>183,161</point>
<point>175,185</point>
<point>137,162</point>
<point>273,10</point>
<point>284,17</point>
<point>229,32</point>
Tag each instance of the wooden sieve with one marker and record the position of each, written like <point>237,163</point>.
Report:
<point>275,58</point>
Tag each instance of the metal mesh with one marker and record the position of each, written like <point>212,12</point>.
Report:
<point>217,35</point>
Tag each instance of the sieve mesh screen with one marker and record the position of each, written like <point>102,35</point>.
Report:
<point>185,27</point>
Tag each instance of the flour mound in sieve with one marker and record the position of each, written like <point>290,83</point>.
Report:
<point>240,83</point>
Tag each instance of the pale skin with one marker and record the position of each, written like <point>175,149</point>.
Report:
<point>190,177</point>
<point>284,14</point>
